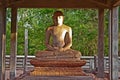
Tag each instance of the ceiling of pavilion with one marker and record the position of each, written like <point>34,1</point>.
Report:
<point>60,3</point>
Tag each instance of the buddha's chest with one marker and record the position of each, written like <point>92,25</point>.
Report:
<point>59,32</point>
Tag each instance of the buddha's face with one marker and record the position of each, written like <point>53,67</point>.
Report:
<point>58,20</point>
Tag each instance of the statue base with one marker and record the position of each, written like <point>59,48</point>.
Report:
<point>57,67</point>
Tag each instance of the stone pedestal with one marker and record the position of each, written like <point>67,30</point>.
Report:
<point>57,67</point>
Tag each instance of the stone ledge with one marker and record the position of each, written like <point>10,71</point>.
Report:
<point>58,78</point>
<point>57,71</point>
<point>57,63</point>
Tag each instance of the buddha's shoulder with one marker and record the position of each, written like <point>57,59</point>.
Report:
<point>50,28</point>
<point>67,27</point>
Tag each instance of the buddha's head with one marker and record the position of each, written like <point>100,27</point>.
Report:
<point>58,18</point>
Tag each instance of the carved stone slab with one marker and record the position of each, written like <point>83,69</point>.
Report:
<point>57,63</point>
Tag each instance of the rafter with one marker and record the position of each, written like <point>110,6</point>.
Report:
<point>2,2</point>
<point>101,3</point>
<point>109,2</point>
<point>12,2</point>
<point>59,4</point>
<point>116,2</point>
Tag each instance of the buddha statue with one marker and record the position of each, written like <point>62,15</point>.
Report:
<point>58,59</point>
<point>61,36</point>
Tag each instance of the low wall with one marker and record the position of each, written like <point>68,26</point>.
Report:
<point>91,62</point>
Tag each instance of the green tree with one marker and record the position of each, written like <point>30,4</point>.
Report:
<point>84,23</point>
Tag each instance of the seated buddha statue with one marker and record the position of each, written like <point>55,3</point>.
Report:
<point>58,41</point>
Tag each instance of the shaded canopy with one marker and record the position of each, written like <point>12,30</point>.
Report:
<point>99,4</point>
<point>106,4</point>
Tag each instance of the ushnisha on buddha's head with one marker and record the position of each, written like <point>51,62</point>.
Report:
<point>58,18</point>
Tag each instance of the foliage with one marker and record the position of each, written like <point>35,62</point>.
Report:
<point>84,23</point>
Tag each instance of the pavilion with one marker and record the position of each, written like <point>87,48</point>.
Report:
<point>101,5</point>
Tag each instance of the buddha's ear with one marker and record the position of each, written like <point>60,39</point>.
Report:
<point>52,17</point>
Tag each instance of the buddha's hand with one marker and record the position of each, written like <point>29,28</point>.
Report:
<point>61,49</point>
<point>49,47</point>
<point>55,48</point>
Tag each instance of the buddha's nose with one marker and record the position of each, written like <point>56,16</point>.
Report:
<point>59,17</point>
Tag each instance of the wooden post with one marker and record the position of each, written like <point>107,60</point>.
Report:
<point>113,44</point>
<point>2,42</point>
<point>96,62</point>
<point>26,50</point>
<point>101,43</point>
<point>110,43</point>
<point>13,43</point>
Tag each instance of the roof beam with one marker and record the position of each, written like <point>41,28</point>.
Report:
<point>2,2</point>
<point>101,3</point>
<point>116,2</point>
<point>13,2</point>
<point>59,4</point>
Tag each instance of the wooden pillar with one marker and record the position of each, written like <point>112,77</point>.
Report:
<point>2,42</point>
<point>13,43</point>
<point>101,43</point>
<point>113,44</point>
<point>26,50</point>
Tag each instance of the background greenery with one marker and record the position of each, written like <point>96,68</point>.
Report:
<point>84,23</point>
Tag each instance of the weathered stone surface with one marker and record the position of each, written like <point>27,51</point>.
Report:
<point>58,78</point>
<point>57,63</point>
<point>57,58</point>
<point>57,67</point>
<point>57,71</point>
<point>59,54</point>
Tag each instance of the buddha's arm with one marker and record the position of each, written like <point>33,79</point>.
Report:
<point>47,40</point>
<point>68,40</point>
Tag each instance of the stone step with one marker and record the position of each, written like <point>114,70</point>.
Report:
<point>57,63</point>
<point>57,71</point>
<point>77,69</point>
<point>57,78</point>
